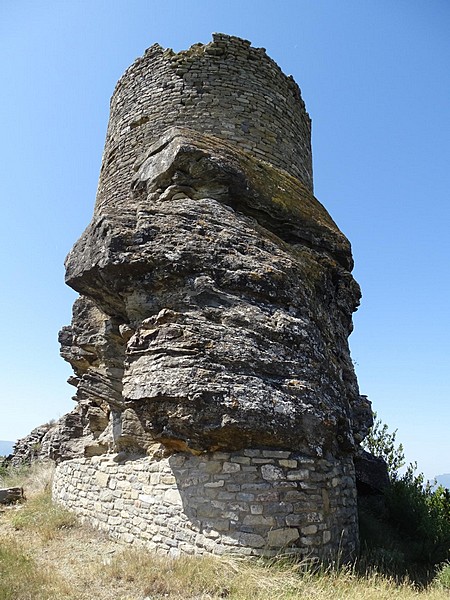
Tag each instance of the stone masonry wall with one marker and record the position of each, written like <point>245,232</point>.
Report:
<point>255,502</point>
<point>225,88</point>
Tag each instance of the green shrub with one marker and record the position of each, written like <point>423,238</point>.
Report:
<point>382,443</point>
<point>421,516</point>
<point>442,578</point>
<point>407,530</point>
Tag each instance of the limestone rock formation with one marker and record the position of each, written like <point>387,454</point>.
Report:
<point>57,440</point>
<point>216,298</point>
<point>215,310</point>
<point>216,301</point>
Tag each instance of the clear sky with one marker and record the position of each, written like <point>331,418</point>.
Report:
<point>375,78</point>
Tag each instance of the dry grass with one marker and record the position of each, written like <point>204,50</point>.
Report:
<point>214,578</point>
<point>38,513</point>
<point>34,478</point>
<point>21,578</point>
<point>52,559</point>
<point>43,517</point>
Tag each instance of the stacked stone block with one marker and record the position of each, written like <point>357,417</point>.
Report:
<point>226,88</point>
<point>255,502</point>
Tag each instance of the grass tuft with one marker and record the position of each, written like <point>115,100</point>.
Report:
<point>22,579</point>
<point>212,578</point>
<point>43,517</point>
<point>442,579</point>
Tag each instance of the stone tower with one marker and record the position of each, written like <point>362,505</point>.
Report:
<point>219,403</point>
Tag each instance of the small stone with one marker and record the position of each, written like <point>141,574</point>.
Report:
<point>290,464</point>
<point>213,467</point>
<point>215,484</point>
<point>221,456</point>
<point>252,453</point>
<point>299,475</point>
<point>101,479</point>
<point>280,538</point>
<point>242,460</point>
<point>271,473</point>
<point>252,539</point>
<point>294,520</point>
<point>147,498</point>
<point>276,454</point>
<point>309,530</point>
<point>245,496</point>
<point>326,501</point>
<point>258,520</point>
<point>172,497</point>
<point>229,467</point>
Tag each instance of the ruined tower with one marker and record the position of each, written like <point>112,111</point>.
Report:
<point>219,403</point>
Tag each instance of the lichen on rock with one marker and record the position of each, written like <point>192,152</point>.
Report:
<point>233,287</point>
<point>216,301</point>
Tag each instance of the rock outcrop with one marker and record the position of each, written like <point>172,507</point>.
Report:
<point>215,312</point>
<point>372,477</point>
<point>216,294</point>
<point>56,440</point>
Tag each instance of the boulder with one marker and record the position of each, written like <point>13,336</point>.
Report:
<point>371,471</point>
<point>10,495</point>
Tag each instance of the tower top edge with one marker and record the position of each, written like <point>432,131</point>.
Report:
<point>222,44</point>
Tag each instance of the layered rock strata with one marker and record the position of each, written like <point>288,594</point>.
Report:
<point>215,305</point>
<point>56,440</point>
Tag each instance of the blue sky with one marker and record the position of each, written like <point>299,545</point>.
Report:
<point>375,79</point>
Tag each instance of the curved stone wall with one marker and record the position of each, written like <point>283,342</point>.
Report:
<point>255,502</point>
<point>225,88</point>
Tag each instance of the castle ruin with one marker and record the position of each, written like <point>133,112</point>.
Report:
<point>218,403</point>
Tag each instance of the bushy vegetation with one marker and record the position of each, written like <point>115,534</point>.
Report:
<point>382,443</point>
<point>407,531</point>
<point>442,579</point>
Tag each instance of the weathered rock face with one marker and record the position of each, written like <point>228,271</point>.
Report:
<point>57,440</point>
<point>227,302</point>
<point>215,291</point>
<point>371,473</point>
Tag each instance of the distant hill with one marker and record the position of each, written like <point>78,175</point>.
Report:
<point>444,479</point>
<point>6,448</point>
